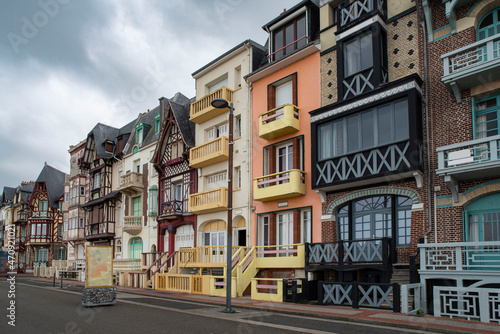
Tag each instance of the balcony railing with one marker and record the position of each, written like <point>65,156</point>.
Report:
<point>74,234</point>
<point>172,208</point>
<point>131,183</point>
<point>210,153</point>
<point>281,185</point>
<point>208,201</point>
<point>132,224</point>
<point>279,122</point>
<point>472,65</point>
<point>348,253</point>
<point>42,214</point>
<point>202,110</point>
<point>457,256</point>
<point>22,216</point>
<point>100,230</point>
<point>357,9</point>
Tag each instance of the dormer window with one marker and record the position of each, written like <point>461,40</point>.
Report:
<point>289,37</point>
<point>110,146</point>
<point>139,133</point>
<point>157,123</point>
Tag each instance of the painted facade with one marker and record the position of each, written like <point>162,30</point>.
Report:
<point>284,90</point>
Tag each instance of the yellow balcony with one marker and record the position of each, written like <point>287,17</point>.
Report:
<point>202,110</point>
<point>279,186</point>
<point>279,122</point>
<point>132,225</point>
<point>208,201</point>
<point>210,153</point>
<point>131,184</point>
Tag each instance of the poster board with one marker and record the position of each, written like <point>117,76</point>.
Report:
<point>99,266</point>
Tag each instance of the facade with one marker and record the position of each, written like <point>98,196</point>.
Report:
<point>44,222</point>
<point>223,78</point>
<point>20,213</point>
<point>368,143</point>
<point>74,214</point>
<point>138,183</point>
<point>103,147</point>
<point>463,87</point>
<point>284,90</point>
<point>176,179</point>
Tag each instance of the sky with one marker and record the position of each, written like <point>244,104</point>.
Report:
<point>66,65</point>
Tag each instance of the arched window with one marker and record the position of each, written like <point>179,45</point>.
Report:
<point>376,217</point>
<point>135,248</point>
<point>483,219</point>
<point>489,25</point>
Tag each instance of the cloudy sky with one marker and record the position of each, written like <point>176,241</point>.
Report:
<point>66,65</point>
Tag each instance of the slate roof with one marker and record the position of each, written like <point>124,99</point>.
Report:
<point>54,180</point>
<point>26,191</point>
<point>290,11</point>
<point>181,107</point>
<point>102,133</point>
<point>8,195</point>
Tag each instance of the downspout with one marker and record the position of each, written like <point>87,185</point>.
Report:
<point>426,102</point>
<point>249,147</point>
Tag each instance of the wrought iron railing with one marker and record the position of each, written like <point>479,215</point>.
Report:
<point>174,207</point>
<point>470,153</point>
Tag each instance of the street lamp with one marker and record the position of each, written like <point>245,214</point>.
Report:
<point>222,104</point>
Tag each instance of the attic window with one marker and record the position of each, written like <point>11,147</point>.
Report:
<point>109,146</point>
<point>139,133</point>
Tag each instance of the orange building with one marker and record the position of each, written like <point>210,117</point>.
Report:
<point>284,91</point>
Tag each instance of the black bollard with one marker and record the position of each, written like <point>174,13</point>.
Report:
<point>54,281</point>
<point>61,280</point>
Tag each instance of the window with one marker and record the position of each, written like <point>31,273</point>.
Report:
<point>217,181</point>
<point>157,123</point>
<point>109,146</point>
<point>482,222</point>
<point>486,117</point>
<point>65,226</point>
<point>335,12</point>
<point>139,133</point>
<point>282,92</point>
<point>61,253</point>
<point>137,166</point>
<point>237,126</point>
<point>82,191</point>
<point>177,191</point>
<point>489,25</point>
<point>177,148</point>
<point>136,206</point>
<point>82,223</point>
<point>264,230</point>
<point>43,206</point>
<point>66,197</point>
<point>135,150</point>
<point>358,54</point>
<point>97,181</point>
<point>135,248</point>
<point>218,131</point>
<point>289,37</point>
<point>153,200</point>
<point>284,226</point>
<point>223,82</point>
<point>373,219</point>
<point>377,127</point>
<point>305,226</point>
<point>237,178</point>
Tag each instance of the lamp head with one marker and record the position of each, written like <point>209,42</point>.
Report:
<point>219,103</point>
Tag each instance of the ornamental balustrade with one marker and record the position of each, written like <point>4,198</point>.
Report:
<point>174,207</point>
<point>478,304</point>
<point>97,229</point>
<point>472,56</point>
<point>460,256</point>
<point>41,214</point>
<point>469,153</point>
<point>356,294</point>
<point>358,9</point>
<point>348,253</point>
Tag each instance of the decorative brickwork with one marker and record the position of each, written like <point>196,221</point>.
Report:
<point>329,78</point>
<point>403,47</point>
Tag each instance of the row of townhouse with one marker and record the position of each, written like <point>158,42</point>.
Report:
<point>358,154</point>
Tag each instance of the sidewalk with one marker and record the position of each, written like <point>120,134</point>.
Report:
<point>362,315</point>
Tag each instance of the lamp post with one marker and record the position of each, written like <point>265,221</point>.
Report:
<point>222,104</point>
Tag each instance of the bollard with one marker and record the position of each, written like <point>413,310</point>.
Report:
<point>61,280</point>
<point>54,281</point>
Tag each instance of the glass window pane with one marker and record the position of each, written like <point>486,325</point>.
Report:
<point>301,31</point>
<point>338,132</point>
<point>352,134</point>
<point>289,38</point>
<point>366,51</point>
<point>384,125</point>
<point>325,141</point>
<point>284,94</point>
<point>368,129</point>
<point>278,44</point>
<point>401,120</point>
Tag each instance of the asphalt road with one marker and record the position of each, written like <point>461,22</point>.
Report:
<point>39,308</point>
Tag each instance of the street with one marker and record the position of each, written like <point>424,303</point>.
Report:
<point>40,308</point>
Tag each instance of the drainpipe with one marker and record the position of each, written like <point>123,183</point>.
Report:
<point>426,102</point>
<point>249,147</point>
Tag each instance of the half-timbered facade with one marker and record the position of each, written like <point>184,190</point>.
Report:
<point>103,145</point>
<point>45,219</point>
<point>177,180</point>
<point>368,143</point>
